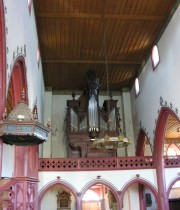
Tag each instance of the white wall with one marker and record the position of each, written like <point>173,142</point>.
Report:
<point>153,205</point>
<point>21,40</point>
<point>162,82</point>
<point>21,33</point>
<point>49,201</point>
<point>79,179</point>
<point>130,198</point>
<point>7,161</point>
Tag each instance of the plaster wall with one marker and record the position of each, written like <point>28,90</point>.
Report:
<point>171,174</point>
<point>46,147</point>
<point>7,161</point>
<point>130,201</point>
<point>21,40</point>
<point>162,82</point>
<point>127,122</point>
<point>49,200</point>
<point>151,206</point>
<point>174,193</point>
<point>79,179</point>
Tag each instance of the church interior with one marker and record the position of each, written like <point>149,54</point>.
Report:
<point>89,109</point>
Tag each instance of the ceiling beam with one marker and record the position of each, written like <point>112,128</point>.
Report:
<point>100,16</point>
<point>65,61</point>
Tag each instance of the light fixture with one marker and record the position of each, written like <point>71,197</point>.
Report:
<point>109,141</point>
<point>53,128</point>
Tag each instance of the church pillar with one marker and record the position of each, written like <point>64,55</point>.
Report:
<point>26,168</point>
<point>159,160</point>
<point>141,197</point>
<point>1,152</point>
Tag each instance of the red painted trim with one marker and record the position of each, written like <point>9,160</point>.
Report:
<point>140,147</point>
<point>2,72</point>
<point>141,197</point>
<point>2,60</point>
<point>140,143</point>
<point>106,184</point>
<point>171,185</point>
<point>56,183</point>
<point>18,80</point>
<point>94,164</point>
<point>158,156</point>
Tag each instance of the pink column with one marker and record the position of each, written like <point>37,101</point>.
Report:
<point>141,197</point>
<point>21,161</point>
<point>163,203</point>
<point>1,154</point>
<point>33,161</point>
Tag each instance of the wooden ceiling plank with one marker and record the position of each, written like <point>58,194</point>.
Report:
<point>122,73</point>
<point>150,37</point>
<point>99,16</point>
<point>113,36</point>
<point>119,38</point>
<point>58,38</point>
<point>140,35</point>
<point>92,61</point>
<point>125,46</point>
<point>137,34</point>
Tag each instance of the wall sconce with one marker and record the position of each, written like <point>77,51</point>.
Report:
<point>54,128</point>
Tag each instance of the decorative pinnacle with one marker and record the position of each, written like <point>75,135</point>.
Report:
<point>23,94</point>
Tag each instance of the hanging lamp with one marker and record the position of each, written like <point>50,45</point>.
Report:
<point>119,140</point>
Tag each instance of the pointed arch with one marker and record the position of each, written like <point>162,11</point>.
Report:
<point>171,184</point>
<point>55,183</point>
<point>18,80</point>
<point>174,147</point>
<point>158,155</point>
<point>139,181</point>
<point>106,184</point>
<point>140,147</point>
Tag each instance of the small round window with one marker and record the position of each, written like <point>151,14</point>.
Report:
<point>38,55</point>
<point>29,5</point>
<point>136,86</point>
<point>155,56</point>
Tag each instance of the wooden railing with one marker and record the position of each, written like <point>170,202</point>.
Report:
<point>80,164</point>
<point>172,162</point>
<point>118,163</point>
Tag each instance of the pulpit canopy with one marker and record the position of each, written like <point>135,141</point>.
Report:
<point>21,127</point>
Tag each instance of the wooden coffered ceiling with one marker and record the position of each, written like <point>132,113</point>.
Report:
<point>75,34</point>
